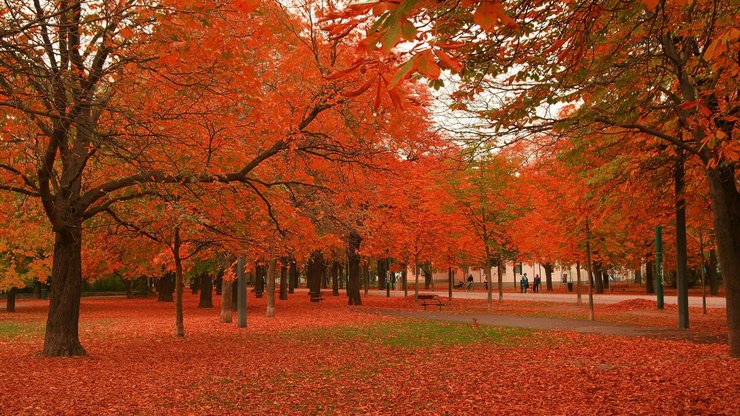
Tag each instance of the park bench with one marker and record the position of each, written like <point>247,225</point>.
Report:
<point>618,286</point>
<point>316,297</point>
<point>430,300</point>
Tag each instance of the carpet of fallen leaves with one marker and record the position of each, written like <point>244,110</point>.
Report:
<point>329,358</point>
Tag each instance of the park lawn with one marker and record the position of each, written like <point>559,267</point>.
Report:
<point>328,358</point>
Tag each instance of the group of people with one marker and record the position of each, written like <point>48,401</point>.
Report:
<point>524,283</point>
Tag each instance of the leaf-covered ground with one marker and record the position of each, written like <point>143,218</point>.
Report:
<point>329,358</point>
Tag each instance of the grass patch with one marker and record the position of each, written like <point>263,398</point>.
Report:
<point>11,330</point>
<point>415,334</point>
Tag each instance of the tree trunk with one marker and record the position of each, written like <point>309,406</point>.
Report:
<point>726,209</point>
<point>638,276</point>
<point>127,284</point>
<point>179,283</point>
<point>548,276</point>
<point>36,289</point>
<point>714,279</point>
<point>10,300</point>
<point>353,268</point>
<point>605,277</point>
<point>405,279</point>
<point>283,280</point>
<point>259,282</point>
<point>416,278</point>
<point>234,295</point>
<point>335,268</point>
<point>62,324</point>
<point>241,291</point>
<point>595,275</point>
<point>650,277</point>
<point>219,282</point>
<point>450,282</point>
<point>195,285</point>
<point>590,271</point>
<point>500,277</point>
<point>427,270</point>
<point>578,283</point>
<point>227,310</point>
<point>366,275</point>
<point>206,291</point>
<point>382,273</point>
<point>293,280</point>
<point>271,272</point>
<point>166,286</point>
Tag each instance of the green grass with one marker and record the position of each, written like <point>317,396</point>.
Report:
<point>11,330</point>
<point>415,334</point>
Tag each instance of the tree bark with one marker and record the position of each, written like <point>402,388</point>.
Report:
<point>595,275</point>
<point>62,324</point>
<point>127,284</point>
<point>650,278</point>
<point>335,268</point>
<point>500,277</point>
<point>10,300</point>
<point>271,272</point>
<point>293,280</point>
<point>179,283</point>
<point>166,286</point>
<point>714,278</point>
<point>638,276</point>
<point>726,209</point>
<point>382,273</point>
<point>283,280</point>
<point>206,291</point>
<point>353,268</point>
<point>227,310</point>
<point>682,282</point>
<point>605,277</point>
<point>405,279</point>
<point>548,275</point>
<point>366,275</point>
<point>578,283</point>
<point>427,270</point>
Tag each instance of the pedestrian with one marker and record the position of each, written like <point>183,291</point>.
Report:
<point>537,282</point>
<point>470,282</point>
<point>525,283</point>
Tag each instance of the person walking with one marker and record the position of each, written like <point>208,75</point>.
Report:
<point>537,282</point>
<point>470,282</point>
<point>525,283</point>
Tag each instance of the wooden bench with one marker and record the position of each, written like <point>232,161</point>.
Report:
<point>316,297</point>
<point>618,286</point>
<point>430,300</point>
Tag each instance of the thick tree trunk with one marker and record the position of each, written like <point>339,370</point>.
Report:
<point>638,276</point>
<point>650,278</point>
<point>605,277</point>
<point>293,280</point>
<point>195,285</point>
<point>62,324</point>
<point>206,291</point>
<point>259,282</point>
<point>271,272</point>
<point>366,275</point>
<point>219,282</point>
<point>726,209</point>
<point>382,273</point>
<point>353,268</point>
<point>548,275</point>
<point>235,295</point>
<point>595,275</point>
<point>284,280</point>
<point>166,286</point>
<point>427,270</point>
<point>714,280</point>
<point>10,300</point>
<point>227,310</point>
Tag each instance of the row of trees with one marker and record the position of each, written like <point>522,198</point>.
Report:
<point>143,136</point>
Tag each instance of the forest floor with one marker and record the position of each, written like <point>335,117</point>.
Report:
<point>330,358</point>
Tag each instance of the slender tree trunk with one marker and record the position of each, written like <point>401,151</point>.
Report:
<point>416,277</point>
<point>366,275</point>
<point>241,291</point>
<point>62,324</point>
<point>179,283</point>
<point>548,276</point>
<point>500,277</point>
<point>589,270</point>
<point>219,283</point>
<point>293,277</point>
<point>10,300</point>
<point>36,289</point>
<point>405,279</point>
<point>353,268</point>
<point>382,273</point>
<point>450,282</point>
<point>650,277</point>
<point>714,279</point>
<point>283,280</point>
<point>578,283</point>
<point>426,269</point>
<point>605,277</point>
<point>271,272</point>
<point>335,267</point>
<point>227,310</point>
<point>206,291</point>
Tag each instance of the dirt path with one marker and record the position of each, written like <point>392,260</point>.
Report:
<point>581,326</point>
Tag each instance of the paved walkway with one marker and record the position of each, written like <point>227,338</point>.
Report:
<point>712,302</point>
<point>581,326</point>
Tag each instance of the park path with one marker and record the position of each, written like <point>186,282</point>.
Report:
<point>603,299</point>
<point>581,326</point>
